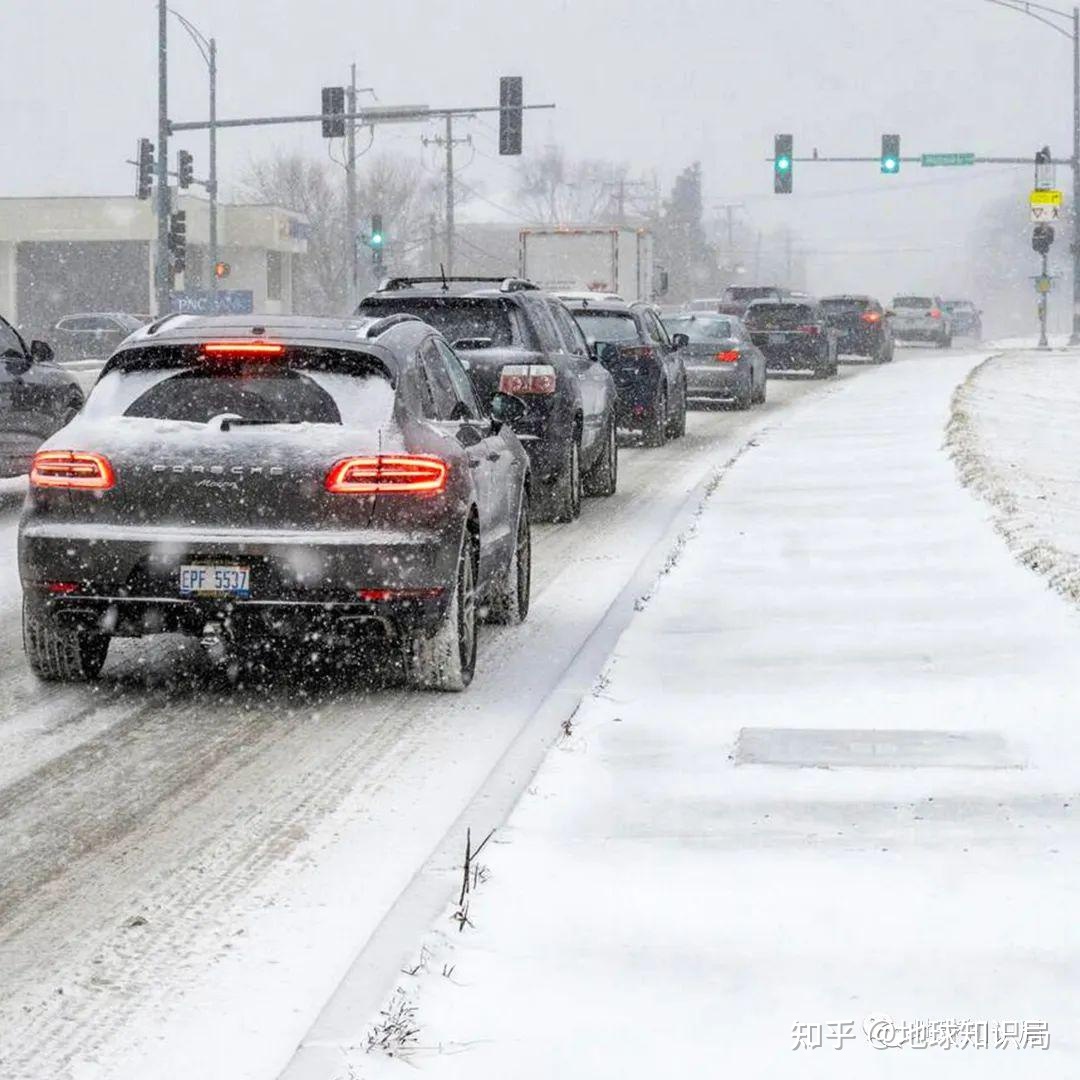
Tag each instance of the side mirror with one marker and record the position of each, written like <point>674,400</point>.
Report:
<point>890,313</point>
<point>607,352</point>
<point>680,341</point>
<point>41,352</point>
<point>506,409</point>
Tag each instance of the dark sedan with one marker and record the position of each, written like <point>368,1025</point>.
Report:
<point>863,326</point>
<point>645,362</point>
<point>37,397</point>
<point>722,363</point>
<point>794,335</point>
<point>317,479</point>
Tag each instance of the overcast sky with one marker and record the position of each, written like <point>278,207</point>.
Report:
<point>655,84</point>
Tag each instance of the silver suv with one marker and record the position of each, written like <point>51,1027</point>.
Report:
<point>922,318</point>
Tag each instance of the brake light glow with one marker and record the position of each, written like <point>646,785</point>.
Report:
<point>871,316</point>
<point>388,474</point>
<point>809,328</point>
<point>243,348</point>
<point>382,595</point>
<point>728,356</point>
<point>527,379</point>
<point>71,469</point>
<point>935,313</point>
<point>60,588</point>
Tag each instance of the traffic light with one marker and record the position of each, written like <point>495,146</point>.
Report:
<point>222,270</point>
<point>890,154</point>
<point>145,161</point>
<point>511,98</point>
<point>185,168</point>
<point>376,240</point>
<point>783,160</point>
<point>1042,236</point>
<point>333,112</point>
<point>178,240</point>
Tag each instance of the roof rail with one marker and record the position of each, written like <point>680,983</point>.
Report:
<point>159,322</point>
<point>380,326</point>
<point>506,284</point>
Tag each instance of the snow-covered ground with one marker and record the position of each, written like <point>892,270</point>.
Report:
<point>826,793</point>
<point>1016,434</point>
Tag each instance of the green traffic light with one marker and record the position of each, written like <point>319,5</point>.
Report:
<point>889,165</point>
<point>783,164</point>
<point>376,239</point>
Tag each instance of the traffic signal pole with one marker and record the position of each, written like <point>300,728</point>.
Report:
<point>213,192</point>
<point>162,273</point>
<point>1074,337</point>
<point>350,195</point>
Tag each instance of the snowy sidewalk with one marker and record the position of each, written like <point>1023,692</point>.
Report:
<point>832,777</point>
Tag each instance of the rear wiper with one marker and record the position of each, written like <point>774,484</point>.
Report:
<point>231,422</point>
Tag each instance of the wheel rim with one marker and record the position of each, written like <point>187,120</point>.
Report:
<point>467,612</point>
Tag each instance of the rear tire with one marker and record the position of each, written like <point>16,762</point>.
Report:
<point>744,393</point>
<point>62,654</point>
<point>447,659</point>
<point>509,604</point>
<point>565,497</point>
<point>677,427</point>
<point>655,433</point>
<point>603,478</point>
<point>945,342</point>
<point>759,397</point>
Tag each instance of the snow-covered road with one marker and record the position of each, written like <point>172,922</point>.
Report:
<point>830,776</point>
<point>187,870</point>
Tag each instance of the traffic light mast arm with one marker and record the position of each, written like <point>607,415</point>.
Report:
<point>917,160</point>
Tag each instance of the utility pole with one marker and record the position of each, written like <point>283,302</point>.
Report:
<point>350,193</point>
<point>162,267</point>
<point>448,141</point>
<point>1043,343</point>
<point>1074,337</point>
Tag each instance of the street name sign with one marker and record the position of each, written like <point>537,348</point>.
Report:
<point>930,160</point>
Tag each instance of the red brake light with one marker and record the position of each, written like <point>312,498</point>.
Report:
<point>71,469</point>
<point>809,328</point>
<point>871,316</point>
<point>935,313</point>
<point>379,595</point>
<point>388,474</point>
<point>527,379</point>
<point>729,356</point>
<point>243,348</point>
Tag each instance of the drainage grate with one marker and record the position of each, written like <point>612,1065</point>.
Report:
<point>837,748</point>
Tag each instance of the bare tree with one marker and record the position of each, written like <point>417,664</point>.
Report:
<point>393,187</point>
<point>553,190</point>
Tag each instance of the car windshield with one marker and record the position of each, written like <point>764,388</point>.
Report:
<point>746,293</point>
<point>777,316</point>
<point>457,318</point>
<point>607,325</point>
<point>846,303</point>
<point>913,302</point>
<point>700,328</point>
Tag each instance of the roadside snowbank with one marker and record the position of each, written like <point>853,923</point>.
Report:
<point>1016,437</point>
<point>667,901</point>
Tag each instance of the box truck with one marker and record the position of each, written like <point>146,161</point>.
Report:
<point>591,258</point>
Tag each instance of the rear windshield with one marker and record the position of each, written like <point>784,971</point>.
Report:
<point>700,328</point>
<point>959,305</point>
<point>458,318</point>
<point>913,302</point>
<point>749,292</point>
<point>607,326</point>
<point>776,315</point>
<point>846,303</point>
<point>309,386</point>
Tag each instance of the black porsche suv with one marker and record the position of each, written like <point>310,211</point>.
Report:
<point>276,478</point>
<point>513,337</point>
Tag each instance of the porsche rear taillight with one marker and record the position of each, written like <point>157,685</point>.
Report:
<point>388,474</point>
<point>728,356</point>
<point>520,379</point>
<point>71,469</point>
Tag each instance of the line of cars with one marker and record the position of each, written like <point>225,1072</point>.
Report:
<point>368,482</point>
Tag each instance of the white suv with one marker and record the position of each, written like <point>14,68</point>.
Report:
<point>922,318</point>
